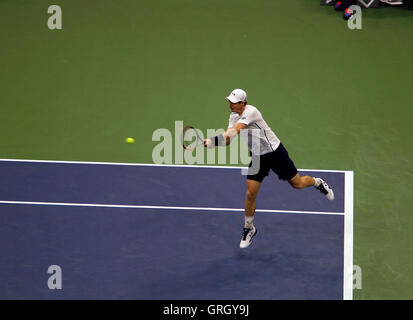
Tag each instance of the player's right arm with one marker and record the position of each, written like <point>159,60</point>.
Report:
<point>227,136</point>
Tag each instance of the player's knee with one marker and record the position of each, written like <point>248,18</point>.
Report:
<point>251,195</point>
<point>297,184</point>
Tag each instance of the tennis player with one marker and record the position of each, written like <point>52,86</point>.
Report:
<point>270,153</point>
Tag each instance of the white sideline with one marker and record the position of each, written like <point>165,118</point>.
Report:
<point>348,235</point>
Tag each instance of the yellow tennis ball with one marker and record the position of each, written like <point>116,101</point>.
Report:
<point>130,140</point>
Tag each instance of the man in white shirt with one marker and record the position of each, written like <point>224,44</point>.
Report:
<point>265,148</point>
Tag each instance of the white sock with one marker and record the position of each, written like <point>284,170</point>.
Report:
<point>249,222</point>
<point>317,182</point>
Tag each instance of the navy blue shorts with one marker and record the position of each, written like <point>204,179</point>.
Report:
<point>277,161</point>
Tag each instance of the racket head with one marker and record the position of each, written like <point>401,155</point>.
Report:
<point>191,145</point>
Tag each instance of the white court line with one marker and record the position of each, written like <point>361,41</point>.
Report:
<point>148,164</point>
<point>348,236</point>
<point>157,207</point>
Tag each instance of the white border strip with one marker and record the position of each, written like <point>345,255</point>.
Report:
<point>157,207</point>
<point>348,236</point>
<point>149,164</point>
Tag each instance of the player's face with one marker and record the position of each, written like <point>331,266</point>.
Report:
<point>236,107</point>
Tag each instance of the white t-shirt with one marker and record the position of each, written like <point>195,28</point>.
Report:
<point>259,136</point>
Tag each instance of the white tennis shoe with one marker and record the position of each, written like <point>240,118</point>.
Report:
<point>324,188</point>
<point>247,236</point>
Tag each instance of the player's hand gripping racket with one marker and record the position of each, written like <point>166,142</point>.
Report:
<point>191,132</point>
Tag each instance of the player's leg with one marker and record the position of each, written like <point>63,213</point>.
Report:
<point>254,180</point>
<point>285,168</point>
<point>251,201</point>
<point>249,230</point>
<point>300,182</point>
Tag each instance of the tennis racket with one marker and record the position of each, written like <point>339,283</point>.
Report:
<point>192,133</point>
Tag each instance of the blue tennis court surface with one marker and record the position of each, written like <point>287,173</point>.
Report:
<point>136,231</point>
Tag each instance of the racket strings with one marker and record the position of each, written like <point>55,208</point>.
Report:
<point>188,135</point>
